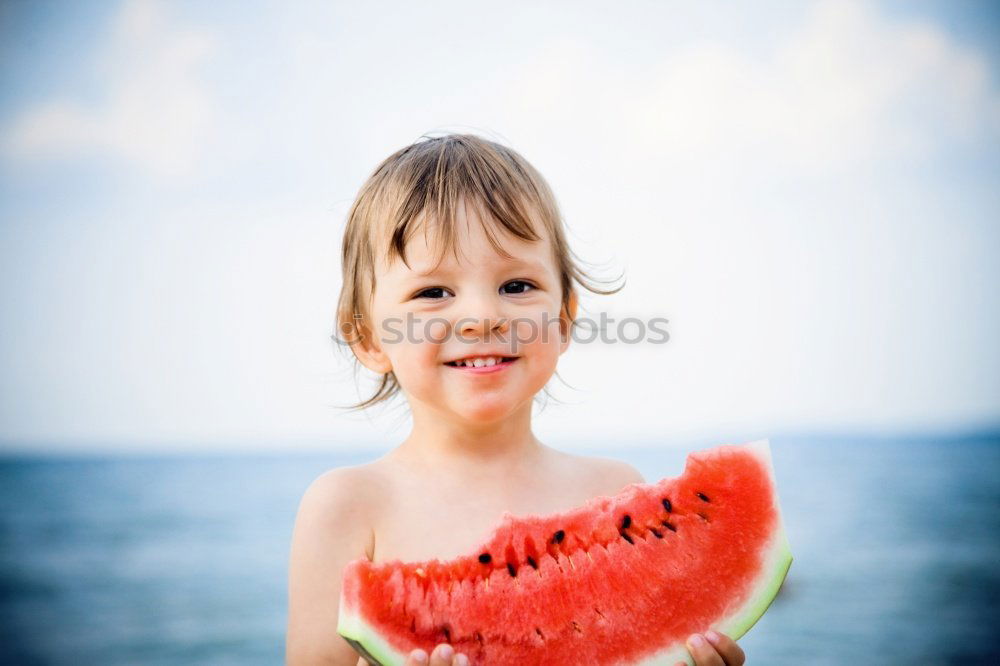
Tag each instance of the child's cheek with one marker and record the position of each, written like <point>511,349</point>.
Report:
<point>436,333</point>
<point>418,356</point>
<point>536,335</point>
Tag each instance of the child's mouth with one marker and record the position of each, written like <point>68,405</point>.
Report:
<point>482,364</point>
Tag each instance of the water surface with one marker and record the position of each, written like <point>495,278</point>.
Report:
<point>183,560</point>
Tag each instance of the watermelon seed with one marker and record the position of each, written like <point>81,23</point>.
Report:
<point>703,497</point>
<point>576,627</point>
<point>558,536</point>
<point>667,505</point>
<point>626,522</point>
<point>600,613</point>
<point>532,562</point>
<point>479,637</point>
<point>703,517</point>
<point>668,526</point>
<point>447,633</point>
<point>540,634</point>
<point>485,558</point>
<point>656,533</point>
<point>625,536</point>
<point>511,570</point>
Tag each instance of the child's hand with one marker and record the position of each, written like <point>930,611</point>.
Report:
<point>443,655</point>
<point>713,649</point>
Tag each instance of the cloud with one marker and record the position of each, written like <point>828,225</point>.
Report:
<point>153,111</point>
<point>846,86</point>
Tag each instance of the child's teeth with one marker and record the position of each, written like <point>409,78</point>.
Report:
<point>479,362</point>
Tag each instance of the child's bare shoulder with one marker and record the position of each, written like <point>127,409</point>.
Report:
<point>602,476</point>
<point>353,489</point>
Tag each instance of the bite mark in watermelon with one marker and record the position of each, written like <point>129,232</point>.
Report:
<point>619,580</point>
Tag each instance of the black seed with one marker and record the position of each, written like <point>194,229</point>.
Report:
<point>703,497</point>
<point>626,522</point>
<point>447,634</point>
<point>485,558</point>
<point>667,505</point>
<point>668,526</point>
<point>531,561</point>
<point>656,533</point>
<point>558,536</point>
<point>627,538</point>
<point>511,570</point>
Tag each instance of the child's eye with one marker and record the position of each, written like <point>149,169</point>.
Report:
<point>432,293</point>
<point>516,287</point>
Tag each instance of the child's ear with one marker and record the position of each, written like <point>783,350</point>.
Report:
<point>370,353</point>
<point>568,315</point>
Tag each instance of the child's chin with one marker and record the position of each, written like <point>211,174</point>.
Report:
<point>485,412</point>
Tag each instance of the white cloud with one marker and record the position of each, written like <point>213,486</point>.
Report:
<point>153,111</point>
<point>847,86</point>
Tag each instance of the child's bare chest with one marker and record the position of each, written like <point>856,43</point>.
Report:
<point>448,523</point>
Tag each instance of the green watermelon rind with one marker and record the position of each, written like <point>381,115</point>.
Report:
<point>366,639</point>
<point>778,559</point>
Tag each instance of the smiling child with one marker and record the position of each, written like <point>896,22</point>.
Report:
<point>459,292</point>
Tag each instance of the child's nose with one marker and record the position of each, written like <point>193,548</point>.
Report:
<point>482,317</point>
<point>479,326</point>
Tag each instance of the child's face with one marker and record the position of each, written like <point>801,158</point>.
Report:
<point>479,305</point>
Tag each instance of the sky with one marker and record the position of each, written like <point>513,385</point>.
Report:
<point>806,191</point>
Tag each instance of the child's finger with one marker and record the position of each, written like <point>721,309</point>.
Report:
<point>727,648</point>
<point>442,655</point>
<point>417,658</point>
<point>703,652</point>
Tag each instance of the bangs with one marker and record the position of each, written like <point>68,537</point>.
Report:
<point>453,175</point>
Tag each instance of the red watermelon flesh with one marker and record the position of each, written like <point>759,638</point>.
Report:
<point>619,580</point>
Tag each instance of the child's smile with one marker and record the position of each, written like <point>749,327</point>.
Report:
<point>476,336</point>
<point>482,364</point>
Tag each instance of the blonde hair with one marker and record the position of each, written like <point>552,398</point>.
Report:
<point>426,180</point>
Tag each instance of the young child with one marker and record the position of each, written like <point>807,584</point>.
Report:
<point>459,291</point>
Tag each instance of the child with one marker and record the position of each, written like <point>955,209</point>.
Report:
<point>459,291</point>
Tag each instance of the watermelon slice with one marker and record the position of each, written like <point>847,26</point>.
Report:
<point>620,580</point>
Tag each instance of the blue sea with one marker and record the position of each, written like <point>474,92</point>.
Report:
<point>182,560</point>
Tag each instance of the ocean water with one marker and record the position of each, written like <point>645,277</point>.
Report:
<point>182,560</point>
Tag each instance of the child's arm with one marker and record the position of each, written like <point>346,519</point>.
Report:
<point>333,527</point>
